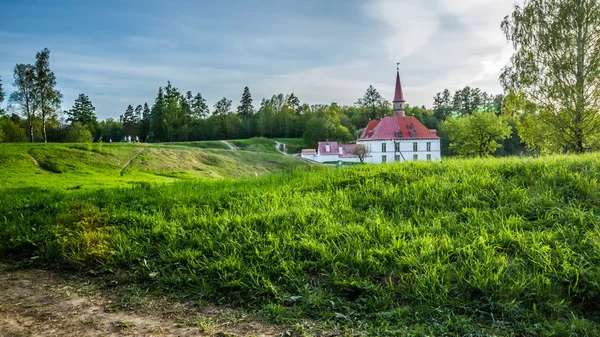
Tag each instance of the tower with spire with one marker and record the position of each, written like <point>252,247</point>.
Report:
<point>398,95</point>
<point>396,138</point>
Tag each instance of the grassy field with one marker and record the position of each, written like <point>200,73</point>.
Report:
<point>496,247</point>
<point>81,166</point>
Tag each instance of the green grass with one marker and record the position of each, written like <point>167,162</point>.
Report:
<point>294,145</point>
<point>494,247</point>
<point>81,166</point>
<point>255,145</point>
<point>209,144</point>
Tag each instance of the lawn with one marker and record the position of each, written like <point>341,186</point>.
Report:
<point>97,165</point>
<point>485,247</point>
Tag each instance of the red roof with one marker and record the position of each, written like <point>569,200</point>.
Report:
<point>398,96</point>
<point>347,150</point>
<point>333,148</point>
<point>309,151</point>
<point>387,128</point>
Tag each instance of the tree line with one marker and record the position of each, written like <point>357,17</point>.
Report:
<point>551,101</point>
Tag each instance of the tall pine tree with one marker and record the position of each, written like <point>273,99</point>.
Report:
<point>145,123</point>
<point>245,109</point>
<point>83,111</point>
<point>130,122</point>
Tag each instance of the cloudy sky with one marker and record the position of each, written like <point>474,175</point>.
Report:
<point>119,52</point>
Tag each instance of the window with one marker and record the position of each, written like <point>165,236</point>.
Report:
<point>384,147</point>
<point>415,157</point>
<point>397,147</point>
<point>428,146</point>
<point>397,157</point>
<point>383,158</point>
<point>428,157</point>
<point>415,146</point>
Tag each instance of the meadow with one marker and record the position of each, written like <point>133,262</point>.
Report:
<point>97,165</point>
<point>481,247</point>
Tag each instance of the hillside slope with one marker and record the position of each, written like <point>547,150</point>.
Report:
<point>496,247</point>
<point>76,166</point>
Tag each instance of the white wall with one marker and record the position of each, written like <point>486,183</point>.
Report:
<point>406,148</point>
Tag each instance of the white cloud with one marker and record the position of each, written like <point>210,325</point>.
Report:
<point>411,25</point>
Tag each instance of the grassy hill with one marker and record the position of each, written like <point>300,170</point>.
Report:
<point>496,247</point>
<point>76,166</point>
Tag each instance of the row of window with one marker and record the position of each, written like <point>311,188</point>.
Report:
<point>397,147</point>
<point>397,158</point>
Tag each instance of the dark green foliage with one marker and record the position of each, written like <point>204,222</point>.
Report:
<point>461,247</point>
<point>374,104</point>
<point>1,96</point>
<point>11,132</point>
<point>245,109</point>
<point>83,112</point>
<point>222,112</point>
<point>78,133</point>
<point>130,122</point>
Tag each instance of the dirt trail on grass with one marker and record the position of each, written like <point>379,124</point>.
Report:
<point>230,146</point>
<point>278,147</point>
<point>130,160</point>
<point>43,303</point>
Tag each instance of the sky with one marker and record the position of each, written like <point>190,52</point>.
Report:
<point>118,52</point>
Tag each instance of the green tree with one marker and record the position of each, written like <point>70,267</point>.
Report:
<point>130,122</point>
<point>145,123</point>
<point>325,125</point>
<point>374,104</point>
<point>221,109</point>
<point>199,107</point>
<point>1,96</point>
<point>442,105</point>
<point>11,131</point>
<point>158,121</point>
<point>78,133</point>
<point>556,65</point>
<point>47,96</point>
<point>245,110</point>
<point>24,95</point>
<point>478,134</point>
<point>83,111</point>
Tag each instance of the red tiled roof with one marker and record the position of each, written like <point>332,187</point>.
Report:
<point>387,127</point>
<point>398,95</point>
<point>333,148</point>
<point>347,150</point>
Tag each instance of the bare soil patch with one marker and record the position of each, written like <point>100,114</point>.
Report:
<point>36,302</point>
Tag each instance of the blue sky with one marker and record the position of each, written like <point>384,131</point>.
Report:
<point>119,52</point>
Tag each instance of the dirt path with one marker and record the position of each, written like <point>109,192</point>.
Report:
<point>130,160</point>
<point>230,146</point>
<point>278,147</point>
<point>43,303</point>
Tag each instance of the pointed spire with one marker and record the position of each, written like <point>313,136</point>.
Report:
<point>398,96</point>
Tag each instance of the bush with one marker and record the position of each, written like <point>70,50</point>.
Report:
<point>78,133</point>
<point>11,132</point>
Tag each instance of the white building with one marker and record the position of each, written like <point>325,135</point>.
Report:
<point>390,139</point>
